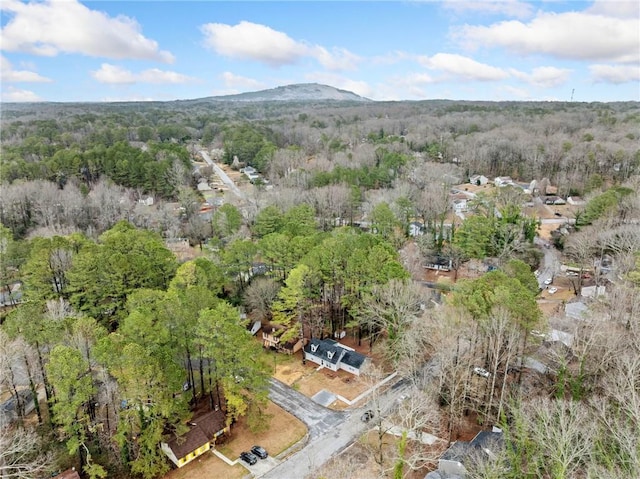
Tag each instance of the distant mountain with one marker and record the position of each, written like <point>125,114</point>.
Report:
<point>297,92</point>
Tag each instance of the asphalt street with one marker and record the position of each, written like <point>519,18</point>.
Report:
<point>330,431</point>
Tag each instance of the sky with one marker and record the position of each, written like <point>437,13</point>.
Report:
<point>97,51</point>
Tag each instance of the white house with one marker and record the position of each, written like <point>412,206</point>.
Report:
<point>460,205</point>
<point>503,181</point>
<point>250,172</point>
<point>333,355</point>
<point>479,180</point>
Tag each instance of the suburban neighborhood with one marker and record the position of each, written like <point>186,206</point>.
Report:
<point>226,288</point>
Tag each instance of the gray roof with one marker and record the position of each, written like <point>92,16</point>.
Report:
<point>354,359</point>
<point>324,346</point>
<point>484,441</point>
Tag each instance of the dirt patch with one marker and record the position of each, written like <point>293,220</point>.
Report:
<point>283,432</point>
<point>339,382</point>
<point>545,230</point>
<point>206,466</point>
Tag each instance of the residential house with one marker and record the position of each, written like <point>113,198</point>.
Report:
<point>148,201</point>
<point>479,180</point>
<point>271,338</point>
<point>503,181</point>
<point>203,432</point>
<point>250,172</point>
<point>485,445</point>
<point>416,229</point>
<point>576,310</point>
<point>554,200</point>
<point>204,186</point>
<point>333,355</point>
<point>460,205</point>
<point>593,291</point>
<point>17,405</point>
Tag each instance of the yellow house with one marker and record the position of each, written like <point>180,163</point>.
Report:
<point>202,435</point>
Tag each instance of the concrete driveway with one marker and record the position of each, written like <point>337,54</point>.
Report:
<point>317,418</point>
<point>261,467</point>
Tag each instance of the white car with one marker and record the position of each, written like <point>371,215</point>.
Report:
<point>548,281</point>
<point>482,372</point>
<point>553,290</point>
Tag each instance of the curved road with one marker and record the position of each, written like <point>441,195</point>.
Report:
<point>330,431</point>
<point>317,418</point>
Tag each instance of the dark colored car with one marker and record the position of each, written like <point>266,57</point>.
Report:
<point>259,451</point>
<point>367,416</point>
<point>248,458</point>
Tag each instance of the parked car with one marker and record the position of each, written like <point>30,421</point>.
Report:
<point>553,290</point>
<point>367,416</point>
<point>248,457</point>
<point>482,372</point>
<point>548,281</point>
<point>259,451</point>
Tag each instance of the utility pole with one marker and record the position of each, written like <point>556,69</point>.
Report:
<point>572,92</point>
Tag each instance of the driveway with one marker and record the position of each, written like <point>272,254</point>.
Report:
<point>317,418</point>
<point>550,265</point>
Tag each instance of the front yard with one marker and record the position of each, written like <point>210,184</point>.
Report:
<point>284,430</point>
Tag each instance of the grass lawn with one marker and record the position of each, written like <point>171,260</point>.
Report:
<point>207,466</point>
<point>283,432</point>
<point>339,382</point>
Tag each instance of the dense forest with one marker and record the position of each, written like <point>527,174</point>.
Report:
<point>123,338</point>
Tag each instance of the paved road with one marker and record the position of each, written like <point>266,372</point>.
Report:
<point>551,263</point>
<point>317,418</point>
<point>328,438</point>
<point>223,176</point>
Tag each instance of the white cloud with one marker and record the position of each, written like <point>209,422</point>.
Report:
<point>543,77</point>
<point>358,87</point>
<point>511,8</point>
<point>13,94</point>
<point>615,73</point>
<point>55,26</point>
<point>117,75</point>
<point>252,41</point>
<point>463,68</point>
<point>234,81</point>
<point>9,75</point>
<point>403,87</point>
<point>570,35</point>
<point>615,8</point>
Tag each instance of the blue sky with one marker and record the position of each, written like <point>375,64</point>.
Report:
<point>65,50</point>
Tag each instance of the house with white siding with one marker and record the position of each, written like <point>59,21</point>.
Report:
<point>333,355</point>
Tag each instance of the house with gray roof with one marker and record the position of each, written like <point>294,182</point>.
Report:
<point>333,355</point>
<point>485,445</point>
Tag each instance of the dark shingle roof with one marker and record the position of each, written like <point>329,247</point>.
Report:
<point>354,359</point>
<point>351,358</point>
<point>203,430</point>
<point>484,440</point>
